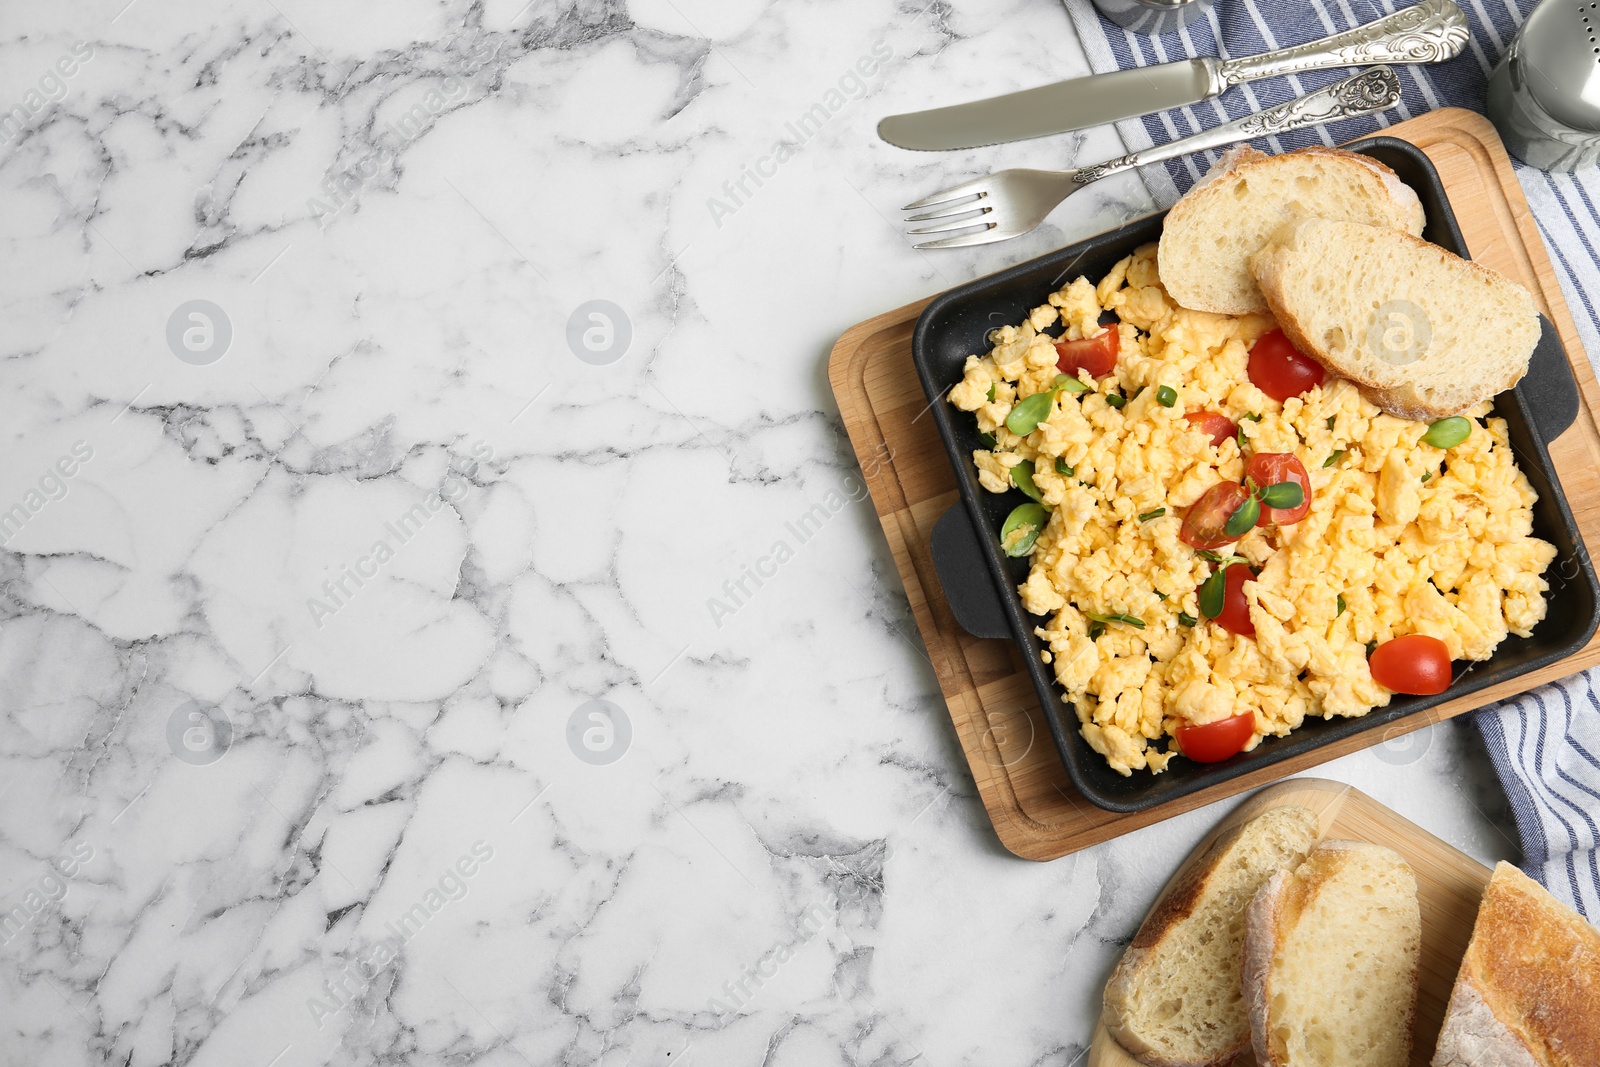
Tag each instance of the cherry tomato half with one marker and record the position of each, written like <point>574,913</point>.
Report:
<point>1216,741</point>
<point>1416,664</point>
<point>1097,354</point>
<point>1278,369</point>
<point>1235,617</point>
<point>1205,524</point>
<point>1220,427</point>
<point>1270,468</point>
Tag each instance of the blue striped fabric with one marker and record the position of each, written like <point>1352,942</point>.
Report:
<point>1545,745</point>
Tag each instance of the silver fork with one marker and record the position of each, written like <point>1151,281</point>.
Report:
<point>1012,202</point>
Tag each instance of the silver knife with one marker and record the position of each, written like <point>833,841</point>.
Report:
<point>1430,32</point>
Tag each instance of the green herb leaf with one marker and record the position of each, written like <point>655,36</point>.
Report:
<point>1030,413</point>
<point>1331,460</point>
<point>1117,400</point>
<point>1022,478</point>
<point>1068,383</point>
<point>1156,514</point>
<point>1062,468</point>
<point>1185,619</point>
<point>1212,592</point>
<point>991,392</point>
<point>1330,421</point>
<point>1243,519</point>
<point>1096,629</point>
<point>1030,520</point>
<point>1447,433</point>
<point>988,441</point>
<point>1283,495</point>
<point>1131,620</point>
<point>1339,600</point>
<point>1166,396</point>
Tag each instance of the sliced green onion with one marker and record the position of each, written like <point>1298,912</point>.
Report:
<point>1185,619</point>
<point>1166,396</point>
<point>1372,646</point>
<point>1283,495</point>
<point>1156,514</point>
<point>1251,417</point>
<point>1243,519</point>
<point>1160,595</point>
<point>1029,518</point>
<point>988,441</point>
<point>1135,394</point>
<point>1447,433</point>
<point>1330,421</point>
<point>1428,475</point>
<point>1062,468</point>
<point>1339,600</point>
<point>1117,400</point>
<point>1096,629</point>
<point>991,392</point>
<point>1331,460</point>
<point>1131,620</point>
<point>1030,413</point>
<point>1022,478</point>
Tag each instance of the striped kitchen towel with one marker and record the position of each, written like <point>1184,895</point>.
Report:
<point>1545,745</point>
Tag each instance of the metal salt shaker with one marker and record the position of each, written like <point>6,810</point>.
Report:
<point>1152,16</point>
<point>1544,97</point>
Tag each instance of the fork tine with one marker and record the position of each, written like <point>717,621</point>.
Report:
<point>977,185</point>
<point>958,209</point>
<point>982,237</point>
<point>957,224</point>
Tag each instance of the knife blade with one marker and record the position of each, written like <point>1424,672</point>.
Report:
<point>1075,104</point>
<point>1430,32</point>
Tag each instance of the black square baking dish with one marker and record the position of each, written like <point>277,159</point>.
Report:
<point>980,581</point>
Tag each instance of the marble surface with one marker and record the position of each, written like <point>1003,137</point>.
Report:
<point>329,512</point>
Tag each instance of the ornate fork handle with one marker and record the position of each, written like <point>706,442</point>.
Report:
<point>1430,32</point>
<point>1362,94</point>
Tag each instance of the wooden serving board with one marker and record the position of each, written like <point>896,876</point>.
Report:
<point>1031,802</point>
<point>1449,886</point>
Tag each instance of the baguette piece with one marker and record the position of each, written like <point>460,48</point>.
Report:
<point>1330,960</point>
<point>1528,993</point>
<point>1424,333</point>
<point>1248,196</point>
<point>1174,1000</point>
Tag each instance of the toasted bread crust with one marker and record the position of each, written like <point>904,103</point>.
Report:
<point>1240,160</point>
<point>1534,965</point>
<point>1269,266</point>
<point>1179,902</point>
<point>1273,914</point>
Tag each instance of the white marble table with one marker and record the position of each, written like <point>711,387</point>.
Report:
<point>308,586</point>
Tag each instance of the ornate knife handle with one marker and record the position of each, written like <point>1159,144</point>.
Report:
<point>1361,94</point>
<point>1430,32</point>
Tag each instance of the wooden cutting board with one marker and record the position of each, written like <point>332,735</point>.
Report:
<point>1031,802</point>
<point>1449,886</point>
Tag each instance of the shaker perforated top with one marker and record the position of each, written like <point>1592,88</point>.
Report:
<point>1559,49</point>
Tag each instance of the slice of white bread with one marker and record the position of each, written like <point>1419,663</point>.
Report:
<point>1330,960</point>
<point>1528,993</point>
<point>1424,333</point>
<point>1174,1000</point>
<point>1247,197</point>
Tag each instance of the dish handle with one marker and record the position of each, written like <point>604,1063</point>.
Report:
<point>1549,389</point>
<point>964,574</point>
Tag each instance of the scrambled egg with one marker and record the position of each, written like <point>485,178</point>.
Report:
<point>1415,539</point>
